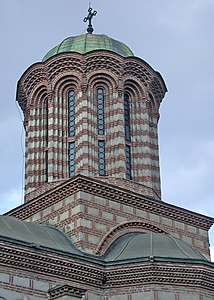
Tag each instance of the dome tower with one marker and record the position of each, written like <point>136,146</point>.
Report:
<point>91,108</point>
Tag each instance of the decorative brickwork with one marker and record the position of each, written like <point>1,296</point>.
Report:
<point>44,188</point>
<point>131,186</point>
<point>66,290</point>
<point>34,271</point>
<point>89,209</point>
<point>115,233</point>
<point>99,188</point>
<point>112,133</point>
<point>44,88</point>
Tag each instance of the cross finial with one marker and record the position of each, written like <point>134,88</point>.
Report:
<point>89,18</point>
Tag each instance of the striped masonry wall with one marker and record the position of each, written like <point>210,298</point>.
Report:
<point>47,149</point>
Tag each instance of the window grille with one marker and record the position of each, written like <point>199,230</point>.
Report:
<point>127,118</point>
<point>71,113</point>
<point>128,162</point>
<point>101,158</point>
<point>100,111</point>
<point>46,166</point>
<point>71,155</point>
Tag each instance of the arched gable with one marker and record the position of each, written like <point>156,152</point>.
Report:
<point>123,228</point>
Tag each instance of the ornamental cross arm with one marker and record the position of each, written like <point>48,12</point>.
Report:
<point>89,17</point>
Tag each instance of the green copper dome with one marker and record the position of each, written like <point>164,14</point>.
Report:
<point>141,245</point>
<point>89,42</point>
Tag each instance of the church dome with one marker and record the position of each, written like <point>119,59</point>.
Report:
<point>89,42</point>
<point>150,245</point>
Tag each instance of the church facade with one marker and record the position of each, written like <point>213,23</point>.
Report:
<point>93,225</point>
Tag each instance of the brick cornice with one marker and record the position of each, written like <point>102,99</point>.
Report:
<point>110,192</point>
<point>66,290</point>
<point>50,263</point>
<point>44,72</point>
<point>90,273</point>
<point>161,273</point>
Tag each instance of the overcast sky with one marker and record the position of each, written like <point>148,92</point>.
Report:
<point>174,36</point>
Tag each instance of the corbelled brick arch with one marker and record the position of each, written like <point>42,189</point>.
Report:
<point>152,80</point>
<point>101,78</point>
<point>36,100</point>
<point>38,95</point>
<point>32,78</point>
<point>61,84</point>
<point>123,228</point>
<point>30,82</point>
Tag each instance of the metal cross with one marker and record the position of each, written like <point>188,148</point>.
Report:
<point>89,18</point>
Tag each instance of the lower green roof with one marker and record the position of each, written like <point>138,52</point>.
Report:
<point>141,245</point>
<point>129,247</point>
<point>35,235</point>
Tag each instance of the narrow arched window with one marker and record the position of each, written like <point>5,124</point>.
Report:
<point>46,122</point>
<point>127,135</point>
<point>100,111</point>
<point>127,117</point>
<point>71,113</point>
<point>46,130</point>
<point>46,166</point>
<point>71,156</point>
<point>101,158</point>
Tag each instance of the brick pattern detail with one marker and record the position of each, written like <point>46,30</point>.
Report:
<point>115,193</point>
<point>25,269</point>
<point>49,82</point>
<point>66,290</point>
<point>90,209</point>
<point>43,189</point>
<point>115,233</point>
<point>131,185</point>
